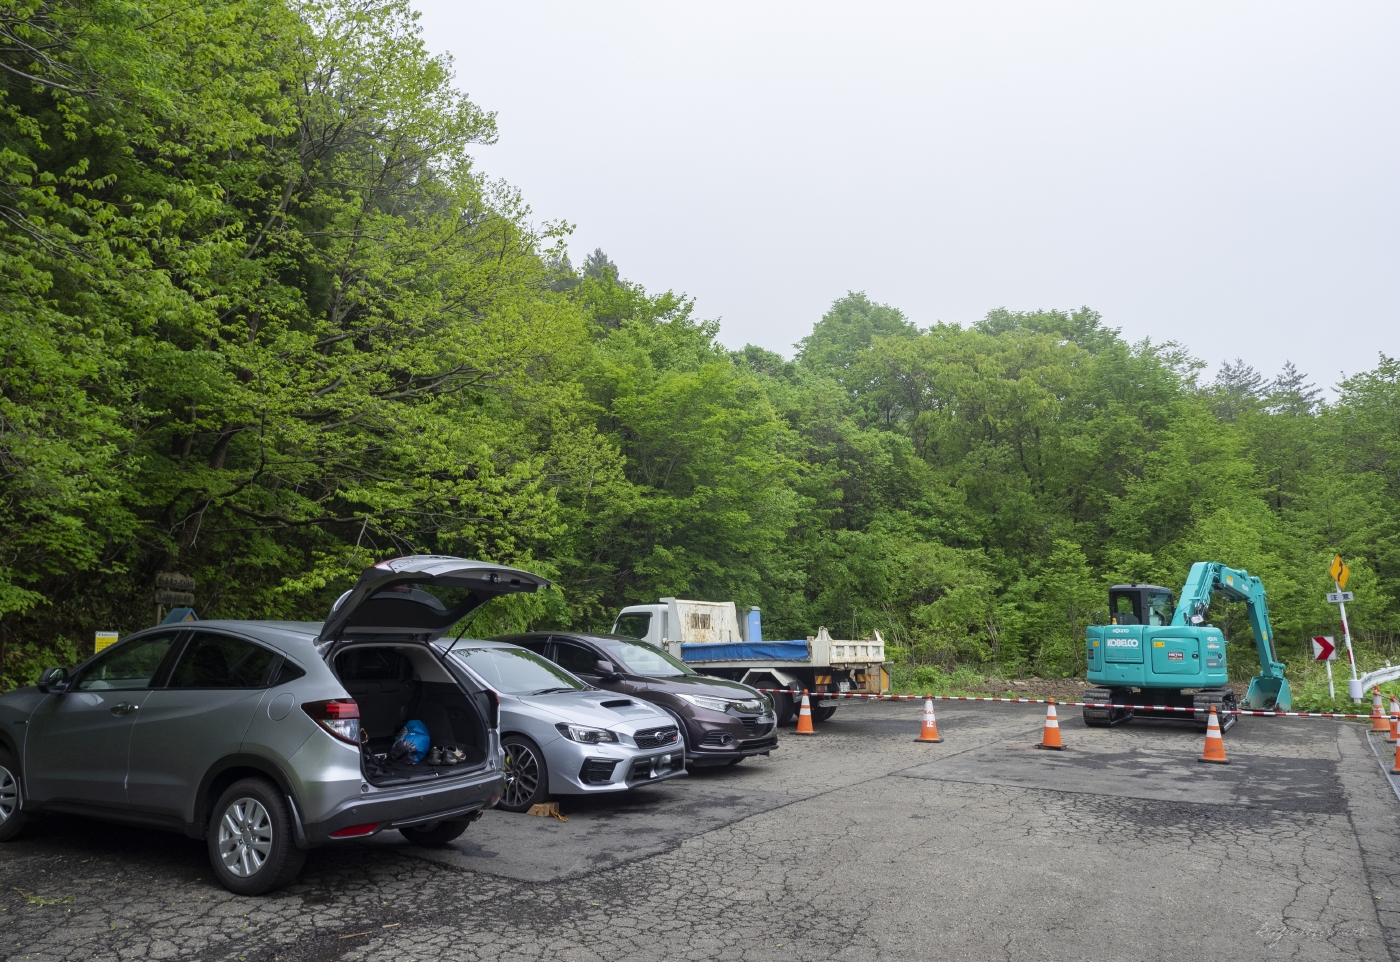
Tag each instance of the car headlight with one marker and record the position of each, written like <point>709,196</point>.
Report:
<point>587,736</point>
<point>710,704</point>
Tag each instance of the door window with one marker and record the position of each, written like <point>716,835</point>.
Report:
<point>576,658</point>
<point>1124,608</point>
<point>1159,608</point>
<point>221,661</point>
<point>537,645</point>
<point>127,666</point>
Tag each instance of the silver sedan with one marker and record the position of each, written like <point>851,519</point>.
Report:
<point>564,737</point>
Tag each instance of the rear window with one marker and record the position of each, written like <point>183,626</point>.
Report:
<point>515,671</point>
<point>633,626</point>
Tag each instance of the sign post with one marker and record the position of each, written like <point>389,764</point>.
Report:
<point>1325,651</point>
<point>173,589</point>
<point>1340,573</point>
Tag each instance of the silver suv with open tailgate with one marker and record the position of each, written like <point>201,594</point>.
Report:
<point>270,738</point>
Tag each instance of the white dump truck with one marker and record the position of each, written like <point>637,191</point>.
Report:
<point>709,637</point>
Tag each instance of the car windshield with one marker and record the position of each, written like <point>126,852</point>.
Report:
<point>515,671</point>
<point>643,659</point>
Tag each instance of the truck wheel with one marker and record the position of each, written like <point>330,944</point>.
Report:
<point>822,714</point>
<point>783,708</point>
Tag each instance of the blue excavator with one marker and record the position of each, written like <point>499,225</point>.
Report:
<point>1151,653</point>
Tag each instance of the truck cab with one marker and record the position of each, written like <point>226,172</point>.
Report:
<point>691,622</point>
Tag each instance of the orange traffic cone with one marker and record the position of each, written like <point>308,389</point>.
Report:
<point>1394,728</point>
<point>929,733</point>
<point>1394,705</point>
<point>804,716</point>
<point>1396,769</point>
<point>1378,722</point>
<point>1051,738</point>
<point>1215,745</point>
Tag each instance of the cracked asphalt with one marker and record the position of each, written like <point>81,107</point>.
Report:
<point>856,844</point>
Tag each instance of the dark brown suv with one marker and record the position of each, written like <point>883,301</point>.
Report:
<point>724,722</point>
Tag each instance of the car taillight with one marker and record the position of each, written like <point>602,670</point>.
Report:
<point>356,831</point>
<point>339,716</point>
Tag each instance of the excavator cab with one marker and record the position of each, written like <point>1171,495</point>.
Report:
<point>1140,605</point>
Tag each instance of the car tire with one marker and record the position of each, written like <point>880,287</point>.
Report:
<point>437,836</point>
<point>250,838</point>
<point>12,817</point>
<point>680,733</point>
<point>527,775</point>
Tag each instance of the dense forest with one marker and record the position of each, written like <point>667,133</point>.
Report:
<point>263,321</point>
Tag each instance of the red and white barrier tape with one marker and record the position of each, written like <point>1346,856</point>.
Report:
<point>1064,704</point>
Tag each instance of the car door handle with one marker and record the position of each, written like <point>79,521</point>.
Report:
<point>125,708</point>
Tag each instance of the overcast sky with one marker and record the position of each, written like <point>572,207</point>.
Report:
<point>1224,175</point>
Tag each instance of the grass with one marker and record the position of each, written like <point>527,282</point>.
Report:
<point>1310,693</point>
<point>933,680</point>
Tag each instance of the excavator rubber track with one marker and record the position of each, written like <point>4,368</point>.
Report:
<point>1222,700</point>
<point>1104,717</point>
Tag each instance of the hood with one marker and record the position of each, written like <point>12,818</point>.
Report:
<point>386,601</point>
<point>596,709</point>
<point>698,685</point>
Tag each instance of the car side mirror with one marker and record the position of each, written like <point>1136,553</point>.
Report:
<point>53,681</point>
<point>607,669</point>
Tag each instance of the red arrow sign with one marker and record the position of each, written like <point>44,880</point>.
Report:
<point>1324,649</point>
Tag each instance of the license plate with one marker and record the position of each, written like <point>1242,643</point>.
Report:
<point>660,765</point>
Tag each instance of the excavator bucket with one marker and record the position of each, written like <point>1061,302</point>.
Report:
<point>1268,694</point>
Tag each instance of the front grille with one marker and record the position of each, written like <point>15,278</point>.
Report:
<point>597,771</point>
<point>656,737</point>
<point>754,727</point>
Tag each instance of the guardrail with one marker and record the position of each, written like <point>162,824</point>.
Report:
<point>1377,677</point>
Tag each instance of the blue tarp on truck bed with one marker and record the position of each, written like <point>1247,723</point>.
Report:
<point>741,651</point>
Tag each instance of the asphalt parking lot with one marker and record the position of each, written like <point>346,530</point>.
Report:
<point>855,844</point>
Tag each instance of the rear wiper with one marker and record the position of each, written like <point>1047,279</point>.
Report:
<point>546,691</point>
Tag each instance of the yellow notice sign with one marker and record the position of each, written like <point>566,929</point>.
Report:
<point>1339,571</point>
<point>105,638</point>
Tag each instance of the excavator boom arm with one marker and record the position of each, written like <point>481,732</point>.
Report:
<point>1268,688</point>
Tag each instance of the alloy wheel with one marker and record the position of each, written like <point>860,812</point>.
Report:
<point>9,794</point>
<point>245,837</point>
<point>522,774</point>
